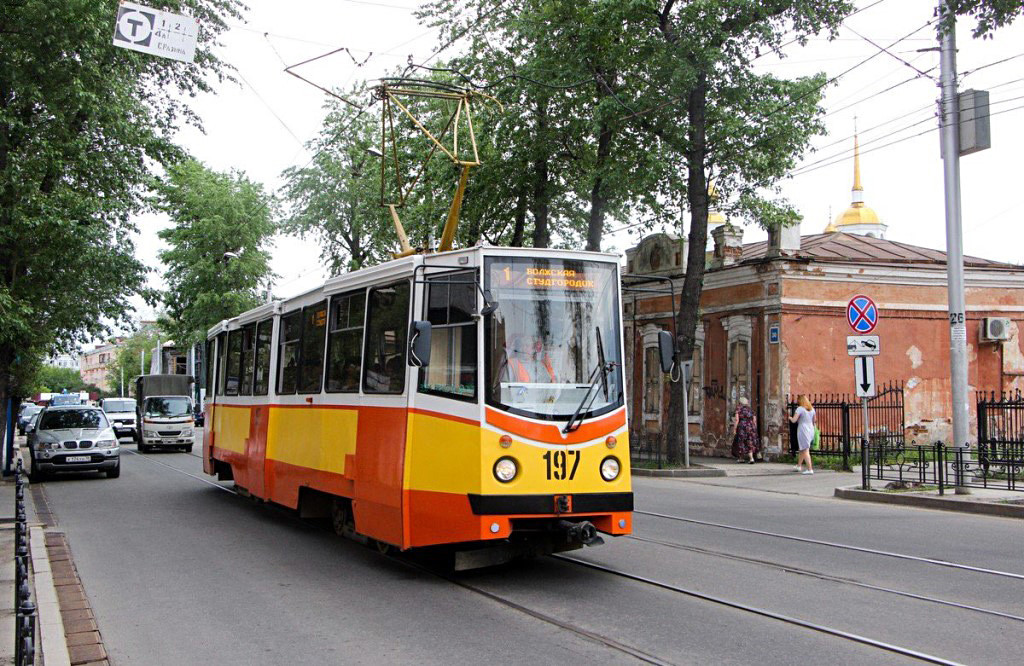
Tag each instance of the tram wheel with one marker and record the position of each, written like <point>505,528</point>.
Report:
<point>383,548</point>
<point>342,521</point>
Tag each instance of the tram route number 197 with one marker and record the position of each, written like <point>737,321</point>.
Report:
<point>558,464</point>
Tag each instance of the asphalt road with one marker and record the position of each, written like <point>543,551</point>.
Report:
<point>180,571</point>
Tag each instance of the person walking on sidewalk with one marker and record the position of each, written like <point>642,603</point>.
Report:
<point>744,424</point>
<point>804,418</point>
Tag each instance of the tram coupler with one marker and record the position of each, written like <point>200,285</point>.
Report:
<point>582,532</point>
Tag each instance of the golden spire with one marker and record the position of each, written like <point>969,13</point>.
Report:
<point>858,215</point>
<point>857,187</point>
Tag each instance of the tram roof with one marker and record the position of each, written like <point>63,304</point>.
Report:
<point>462,258</point>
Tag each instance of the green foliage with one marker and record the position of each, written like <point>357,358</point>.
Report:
<point>988,14</point>
<point>81,123</point>
<point>51,379</point>
<point>217,264</point>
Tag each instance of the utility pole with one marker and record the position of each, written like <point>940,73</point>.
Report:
<point>949,130</point>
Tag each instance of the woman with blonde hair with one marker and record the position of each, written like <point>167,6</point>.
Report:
<point>804,418</point>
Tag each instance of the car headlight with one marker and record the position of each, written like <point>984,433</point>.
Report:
<point>106,443</point>
<point>45,446</point>
<point>149,433</point>
<point>185,432</point>
<point>505,469</point>
<point>610,468</point>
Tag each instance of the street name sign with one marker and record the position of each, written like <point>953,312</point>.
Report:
<point>864,376</point>
<point>156,32</point>
<point>861,314</point>
<point>862,345</point>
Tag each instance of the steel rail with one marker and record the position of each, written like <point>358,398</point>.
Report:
<point>828,577</point>
<point>580,631</point>
<point>831,631</point>
<point>832,544</point>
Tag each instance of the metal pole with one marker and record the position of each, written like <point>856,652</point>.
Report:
<point>949,130</point>
<point>122,380</point>
<point>864,406</point>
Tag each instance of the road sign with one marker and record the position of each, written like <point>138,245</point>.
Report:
<point>156,32</point>
<point>862,345</point>
<point>861,314</point>
<point>864,376</point>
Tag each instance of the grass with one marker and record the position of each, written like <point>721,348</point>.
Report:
<point>913,487</point>
<point>834,463</point>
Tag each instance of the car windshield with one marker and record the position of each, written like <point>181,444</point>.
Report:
<point>168,407</point>
<point>73,418</point>
<point>111,406</point>
<point>543,340</point>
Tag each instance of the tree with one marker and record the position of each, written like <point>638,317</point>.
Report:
<point>51,379</point>
<point>217,265</point>
<point>987,14</point>
<point>81,124</point>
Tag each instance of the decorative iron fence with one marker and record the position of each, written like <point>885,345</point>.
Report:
<point>1000,418</point>
<point>839,417</point>
<point>937,465</point>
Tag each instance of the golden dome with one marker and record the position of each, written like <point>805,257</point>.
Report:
<point>857,213</point>
<point>715,217</point>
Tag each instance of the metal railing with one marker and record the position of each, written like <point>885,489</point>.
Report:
<point>1000,418</point>
<point>25,609</point>
<point>998,467</point>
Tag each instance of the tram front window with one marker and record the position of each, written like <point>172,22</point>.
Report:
<point>543,340</point>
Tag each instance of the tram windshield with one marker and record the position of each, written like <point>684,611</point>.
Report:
<point>544,341</point>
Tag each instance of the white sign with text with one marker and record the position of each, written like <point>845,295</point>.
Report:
<point>156,32</point>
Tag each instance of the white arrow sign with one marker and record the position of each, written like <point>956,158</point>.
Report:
<point>862,345</point>
<point>864,376</point>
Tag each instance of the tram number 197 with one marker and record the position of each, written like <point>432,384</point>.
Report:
<point>558,464</point>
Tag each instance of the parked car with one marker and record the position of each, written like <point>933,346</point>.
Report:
<point>74,438</point>
<point>121,414</point>
<point>27,411</point>
<point>30,428</point>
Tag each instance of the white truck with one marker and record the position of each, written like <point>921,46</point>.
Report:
<point>164,412</point>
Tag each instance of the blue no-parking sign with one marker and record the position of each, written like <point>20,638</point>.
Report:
<point>862,314</point>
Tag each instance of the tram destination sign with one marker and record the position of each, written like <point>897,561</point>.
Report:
<point>863,345</point>
<point>543,278</point>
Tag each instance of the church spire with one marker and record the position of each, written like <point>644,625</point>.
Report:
<point>857,194</point>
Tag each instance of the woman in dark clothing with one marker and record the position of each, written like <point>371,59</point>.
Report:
<point>744,424</point>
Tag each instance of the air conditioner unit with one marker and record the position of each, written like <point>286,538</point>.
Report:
<point>994,329</point>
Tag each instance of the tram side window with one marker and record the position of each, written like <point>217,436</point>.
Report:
<point>451,301</point>
<point>262,371</point>
<point>387,324</point>
<point>248,346</point>
<point>222,357</point>
<point>211,363</point>
<point>314,329</point>
<point>345,342</point>
<point>288,352</point>
<point>234,362</point>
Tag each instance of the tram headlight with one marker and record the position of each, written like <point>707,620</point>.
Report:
<point>505,469</point>
<point>610,468</point>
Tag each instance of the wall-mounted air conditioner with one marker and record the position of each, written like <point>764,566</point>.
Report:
<point>994,329</point>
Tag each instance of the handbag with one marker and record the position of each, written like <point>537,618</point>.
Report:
<point>816,442</point>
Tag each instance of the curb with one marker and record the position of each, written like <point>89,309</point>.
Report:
<point>940,503</point>
<point>690,472</point>
<point>51,625</point>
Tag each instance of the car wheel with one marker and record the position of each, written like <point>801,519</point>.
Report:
<point>188,449</point>
<point>35,475</point>
<point>116,472</point>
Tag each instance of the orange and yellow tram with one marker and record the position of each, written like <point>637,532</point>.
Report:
<point>471,398</point>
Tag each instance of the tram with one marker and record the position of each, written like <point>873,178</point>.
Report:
<point>471,399</point>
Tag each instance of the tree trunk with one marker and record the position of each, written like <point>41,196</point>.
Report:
<point>541,185</point>
<point>689,299</point>
<point>519,228</point>
<point>598,197</point>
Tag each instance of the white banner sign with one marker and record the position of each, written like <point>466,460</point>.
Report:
<point>156,32</point>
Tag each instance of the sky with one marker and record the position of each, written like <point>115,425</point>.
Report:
<point>261,125</point>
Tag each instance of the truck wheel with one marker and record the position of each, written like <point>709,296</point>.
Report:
<point>188,449</point>
<point>143,448</point>
<point>116,472</point>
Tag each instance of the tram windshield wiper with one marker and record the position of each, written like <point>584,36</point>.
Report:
<point>599,373</point>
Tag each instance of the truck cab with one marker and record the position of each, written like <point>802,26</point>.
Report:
<point>164,412</point>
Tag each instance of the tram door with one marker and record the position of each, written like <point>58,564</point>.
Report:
<point>380,449</point>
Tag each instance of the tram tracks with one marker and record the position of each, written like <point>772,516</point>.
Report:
<point>832,544</point>
<point>588,634</point>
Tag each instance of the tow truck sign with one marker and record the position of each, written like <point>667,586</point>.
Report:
<point>862,345</point>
